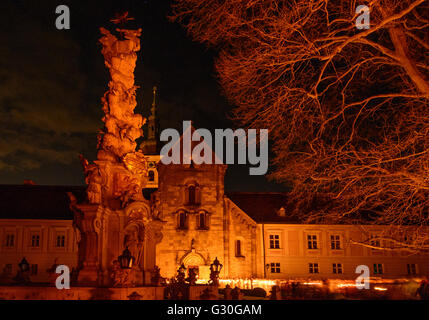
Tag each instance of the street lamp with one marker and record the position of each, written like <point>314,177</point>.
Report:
<point>215,269</point>
<point>182,268</point>
<point>22,276</point>
<point>216,266</point>
<point>126,260</point>
<point>24,266</point>
<point>181,274</point>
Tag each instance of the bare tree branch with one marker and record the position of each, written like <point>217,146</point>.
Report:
<point>347,109</point>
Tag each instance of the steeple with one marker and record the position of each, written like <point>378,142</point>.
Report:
<point>150,144</point>
<point>152,118</point>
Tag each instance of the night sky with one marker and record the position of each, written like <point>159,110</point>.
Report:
<point>51,82</point>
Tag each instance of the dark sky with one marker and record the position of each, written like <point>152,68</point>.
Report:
<point>51,82</point>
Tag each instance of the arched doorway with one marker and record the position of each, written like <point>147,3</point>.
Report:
<point>194,260</point>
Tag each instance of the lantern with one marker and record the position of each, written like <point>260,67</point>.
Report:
<point>216,266</point>
<point>24,265</point>
<point>126,260</point>
<point>182,268</point>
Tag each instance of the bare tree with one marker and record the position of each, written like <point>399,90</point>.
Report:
<point>347,109</point>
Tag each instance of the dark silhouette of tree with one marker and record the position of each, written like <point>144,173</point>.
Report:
<point>347,109</point>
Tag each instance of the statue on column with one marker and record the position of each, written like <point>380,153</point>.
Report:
<point>117,155</point>
<point>116,178</point>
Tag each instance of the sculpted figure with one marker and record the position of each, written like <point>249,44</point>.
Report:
<point>121,278</point>
<point>92,179</point>
<point>156,207</point>
<point>123,127</point>
<point>133,240</point>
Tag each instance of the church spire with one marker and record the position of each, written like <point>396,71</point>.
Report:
<point>152,125</point>
<point>150,145</point>
<point>154,100</point>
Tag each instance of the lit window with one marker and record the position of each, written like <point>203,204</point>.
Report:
<point>238,251</point>
<point>312,241</point>
<point>412,268</point>
<point>335,242</point>
<point>33,269</point>
<point>61,240</point>
<point>275,267</point>
<point>313,268</point>
<point>151,176</point>
<point>35,240</point>
<point>274,241</point>
<point>10,240</point>
<point>378,268</point>
<point>337,268</point>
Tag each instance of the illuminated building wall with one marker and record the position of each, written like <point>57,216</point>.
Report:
<point>202,224</point>
<point>250,233</point>
<point>41,242</point>
<point>325,251</point>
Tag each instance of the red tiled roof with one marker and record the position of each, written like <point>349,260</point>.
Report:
<point>263,207</point>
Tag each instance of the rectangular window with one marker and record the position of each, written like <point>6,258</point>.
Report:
<point>238,252</point>
<point>8,269</point>
<point>335,242</point>
<point>378,268</point>
<point>412,268</point>
<point>275,267</point>
<point>35,240</point>
<point>337,268</point>
<point>10,240</point>
<point>61,241</point>
<point>312,241</point>
<point>313,268</point>
<point>274,241</point>
<point>409,238</point>
<point>33,269</point>
<point>375,242</point>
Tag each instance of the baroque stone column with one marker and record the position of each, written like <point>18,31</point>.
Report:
<point>115,203</point>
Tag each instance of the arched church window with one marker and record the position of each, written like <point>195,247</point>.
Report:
<point>191,192</point>
<point>202,222</point>
<point>151,176</point>
<point>182,220</point>
<point>192,195</point>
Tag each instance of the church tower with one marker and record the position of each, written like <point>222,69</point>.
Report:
<point>191,204</point>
